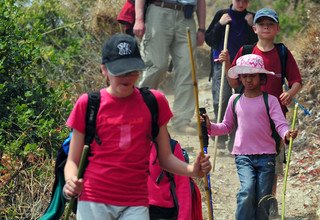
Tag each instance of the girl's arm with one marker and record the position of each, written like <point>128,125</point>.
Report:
<point>74,185</point>
<point>172,164</point>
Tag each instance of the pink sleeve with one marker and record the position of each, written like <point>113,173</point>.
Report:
<point>183,190</point>
<point>227,125</point>
<point>77,116</point>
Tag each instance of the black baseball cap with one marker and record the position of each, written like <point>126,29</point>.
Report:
<point>121,55</point>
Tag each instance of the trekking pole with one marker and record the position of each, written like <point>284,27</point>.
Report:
<point>223,70</point>
<point>305,110</point>
<point>80,175</point>
<point>288,162</point>
<point>205,141</point>
<point>195,90</point>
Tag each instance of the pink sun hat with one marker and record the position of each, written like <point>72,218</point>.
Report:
<point>248,64</point>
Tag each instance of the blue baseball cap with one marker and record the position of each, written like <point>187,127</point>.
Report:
<point>121,55</point>
<point>266,12</point>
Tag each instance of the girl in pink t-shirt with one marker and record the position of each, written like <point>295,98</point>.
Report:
<point>114,185</point>
<point>254,148</point>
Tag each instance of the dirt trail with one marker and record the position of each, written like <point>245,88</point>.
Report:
<point>302,199</point>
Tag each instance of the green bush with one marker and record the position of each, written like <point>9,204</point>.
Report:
<point>33,111</point>
<point>292,17</point>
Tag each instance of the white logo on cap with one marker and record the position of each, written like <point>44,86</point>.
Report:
<point>124,48</point>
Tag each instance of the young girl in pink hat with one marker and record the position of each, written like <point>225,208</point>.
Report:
<point>254,147</point>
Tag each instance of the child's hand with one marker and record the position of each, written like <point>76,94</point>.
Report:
<point>205,118</point>
<point>249,19</point>
<point>285,98</point>
<point>73,187</point>
<point>202,165</point>
<point>292,133</point>
<point>223,56</point>
<point>225,19</point>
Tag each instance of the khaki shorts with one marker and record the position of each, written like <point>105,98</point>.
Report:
<point>280,158</point>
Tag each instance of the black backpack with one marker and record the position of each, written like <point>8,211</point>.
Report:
<point>274,134</point>
<point>57,203</point>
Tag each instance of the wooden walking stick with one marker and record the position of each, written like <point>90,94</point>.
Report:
<point>80,175</point>
<point>288,162</point>
<point>223,70</point>
<point>195,90</point>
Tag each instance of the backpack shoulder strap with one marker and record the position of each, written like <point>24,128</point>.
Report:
<point>171,178</point>
<point>274,134</point>
<point>152,105</point>
<point>283,54</point>
<point>247,49</point>
<point>91,115</point>
<point>236,99</point>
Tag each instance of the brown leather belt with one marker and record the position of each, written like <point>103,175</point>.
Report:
<point>170,5</point>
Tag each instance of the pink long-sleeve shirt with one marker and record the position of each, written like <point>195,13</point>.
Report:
<point>253,134</point>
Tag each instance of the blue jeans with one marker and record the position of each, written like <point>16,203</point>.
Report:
<point>256,174</point>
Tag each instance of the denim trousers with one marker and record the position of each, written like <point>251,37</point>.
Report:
<point>256,174</point>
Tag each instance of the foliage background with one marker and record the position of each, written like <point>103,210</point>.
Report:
<point>48,57</point>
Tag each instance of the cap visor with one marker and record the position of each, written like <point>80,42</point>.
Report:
<point>125,65</point>
<point>265,16</point>
<point>234,71</point>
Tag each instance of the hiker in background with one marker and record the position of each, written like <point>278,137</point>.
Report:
<point>172,197</point>
<point>254,147</point>
<point>126,17</point>
<point>164,34</point>
<point>241,33</point>
<point>266,26</point>
<point>114,185</point>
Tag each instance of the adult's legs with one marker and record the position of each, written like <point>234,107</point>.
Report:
<point>184,103</point>
<point>246,197</point>
<point>155,45</point>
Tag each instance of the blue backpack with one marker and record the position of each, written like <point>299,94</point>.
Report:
<point>57,203</point>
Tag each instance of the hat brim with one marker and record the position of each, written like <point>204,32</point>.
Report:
<point>234,71</point>
<point>122,66</point>
<point>265,16</point>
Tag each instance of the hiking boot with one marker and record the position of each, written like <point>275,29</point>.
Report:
<point>186,130</point>
<point>273,209</point>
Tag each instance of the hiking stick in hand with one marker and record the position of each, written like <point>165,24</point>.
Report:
<point>195,90</point>
<point>80,175</point>
<point>288,162</point>
<point>223,70</point>
<point>285,87</point>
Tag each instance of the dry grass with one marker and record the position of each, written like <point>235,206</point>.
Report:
<point>26,192</point>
